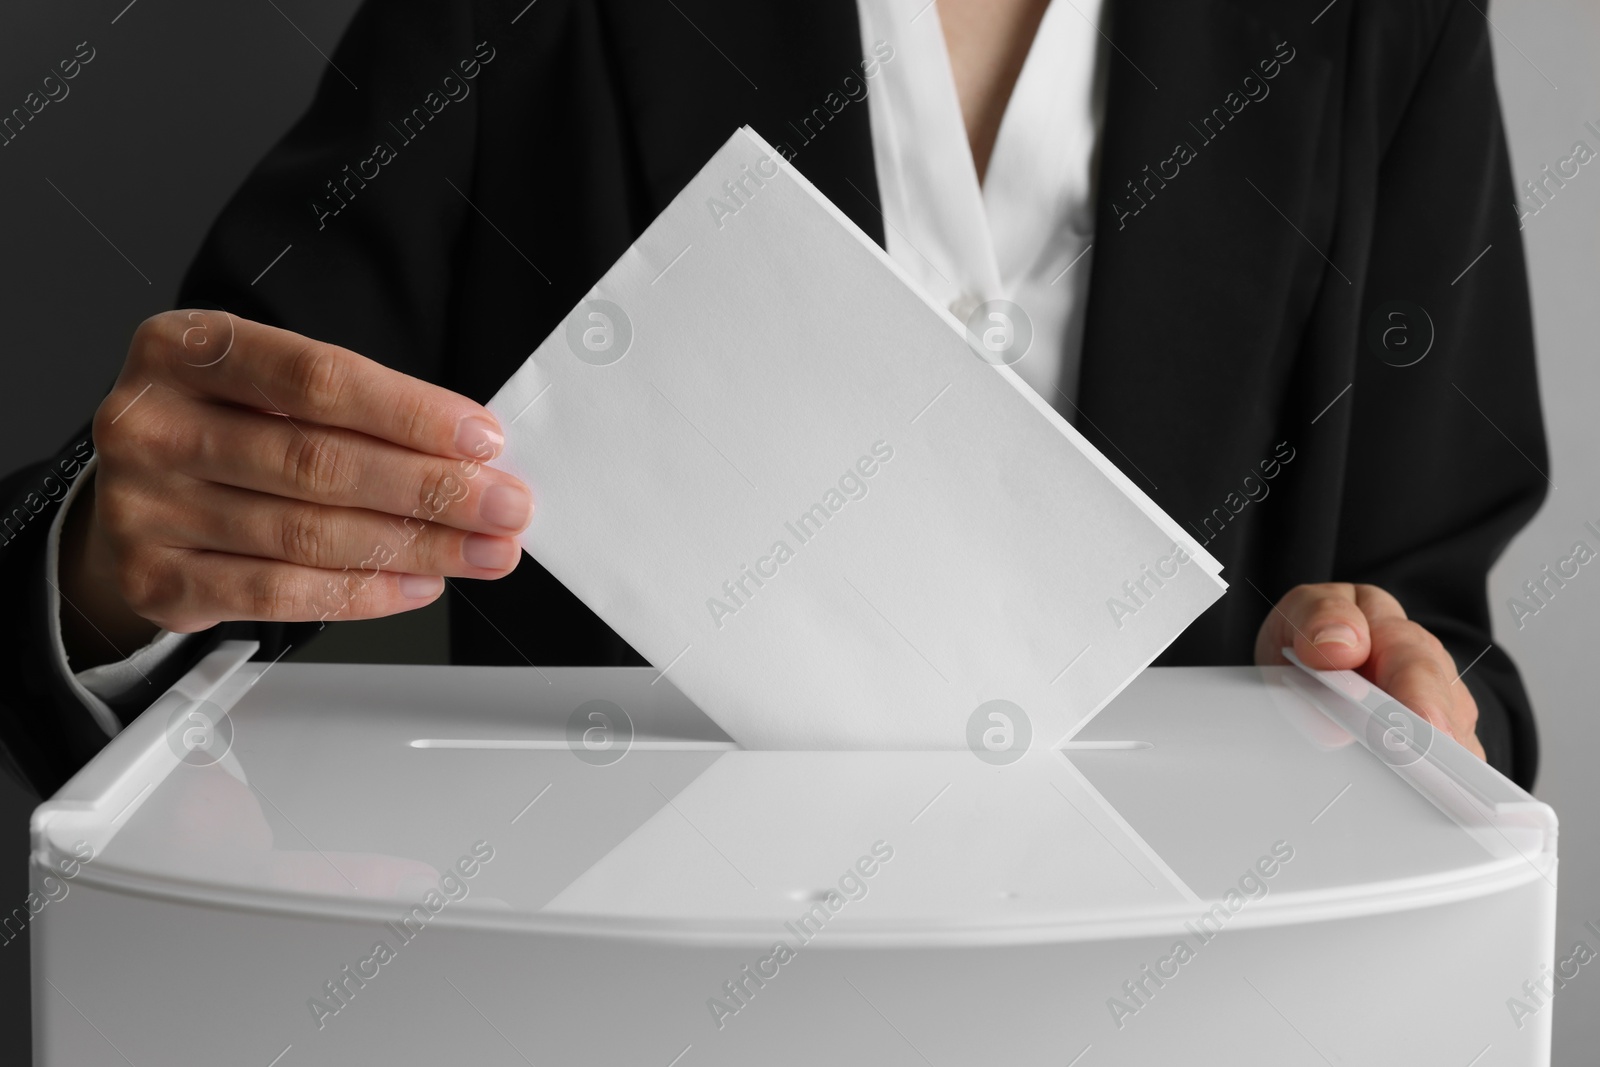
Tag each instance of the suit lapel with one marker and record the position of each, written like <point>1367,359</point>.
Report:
<point>693,71</point>
<point>1200,285</point>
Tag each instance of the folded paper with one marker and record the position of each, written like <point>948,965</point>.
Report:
<point>822,507</point>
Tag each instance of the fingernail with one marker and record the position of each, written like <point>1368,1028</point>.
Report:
<point>421,586</point>
<point>490,553</point>
<point>507,506</point>
<point>479,438</point>
<point>1339,634</point>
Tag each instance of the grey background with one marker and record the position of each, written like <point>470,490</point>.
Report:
<point>1540,43</point>
<point>184,96</point>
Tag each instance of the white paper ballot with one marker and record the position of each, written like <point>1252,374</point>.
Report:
<point>792,482</point>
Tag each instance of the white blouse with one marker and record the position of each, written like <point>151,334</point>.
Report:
<point>1025,234</point>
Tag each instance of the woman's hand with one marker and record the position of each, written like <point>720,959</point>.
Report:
<point>246,472</point>
<point>1336,625</point>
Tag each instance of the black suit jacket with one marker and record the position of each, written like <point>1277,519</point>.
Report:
<point>1231,301</point>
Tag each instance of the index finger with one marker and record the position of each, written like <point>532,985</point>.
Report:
<point>217,355</point>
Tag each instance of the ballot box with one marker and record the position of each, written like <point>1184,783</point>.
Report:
<point>289,864</point>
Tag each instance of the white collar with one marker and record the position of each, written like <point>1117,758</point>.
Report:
<point>1033,215</point>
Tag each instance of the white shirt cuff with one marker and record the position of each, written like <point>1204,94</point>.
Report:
<point>108,681</point>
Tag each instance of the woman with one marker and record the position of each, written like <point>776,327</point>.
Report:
<point>1267,256</point>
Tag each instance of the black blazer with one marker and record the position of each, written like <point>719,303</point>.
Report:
<point>1238,299</point>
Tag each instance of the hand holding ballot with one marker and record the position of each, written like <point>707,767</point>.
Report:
<point>246,472</point>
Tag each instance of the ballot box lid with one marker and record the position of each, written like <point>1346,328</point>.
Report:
<point>599,801</point>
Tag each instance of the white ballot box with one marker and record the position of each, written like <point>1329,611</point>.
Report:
<point>283,865</point>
